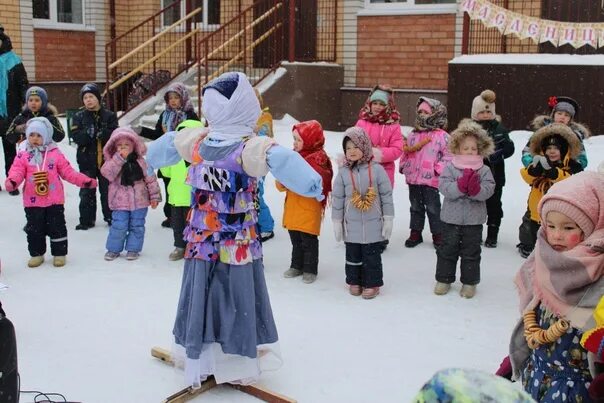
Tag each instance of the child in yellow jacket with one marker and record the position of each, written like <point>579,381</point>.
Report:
<point>302,215</point>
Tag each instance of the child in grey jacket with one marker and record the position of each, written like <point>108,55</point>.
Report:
<point>362,213</point>
<point>466,184</point>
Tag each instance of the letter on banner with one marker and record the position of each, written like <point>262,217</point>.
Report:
<point>469,6</point>
<point>484,12</point>
<point>569,34</point>
<point>499,20</point>
<point>587,36</point>
<point>549,33</point>
<point>515,25</point>
<point>600,35</point>
<point>532,29</point>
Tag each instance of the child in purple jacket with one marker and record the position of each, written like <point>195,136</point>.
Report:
<point>131,192</point>
<point>41,165</point>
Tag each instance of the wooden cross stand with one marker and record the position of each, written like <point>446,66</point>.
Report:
<point>190,392</point>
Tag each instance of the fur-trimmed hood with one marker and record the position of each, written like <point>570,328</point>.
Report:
<point>120,133</point>
<point>544,120</point>
<point>466,128</point>
<point>574,145</point>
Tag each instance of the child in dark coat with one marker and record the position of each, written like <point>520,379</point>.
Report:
<point>483,112</point>
<point>466,184</point>
<point>90,129</point>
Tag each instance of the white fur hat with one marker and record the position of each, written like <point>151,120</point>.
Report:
<point>484,102</point>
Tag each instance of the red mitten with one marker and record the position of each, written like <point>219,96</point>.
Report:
<point>505,368</point>
<point>91,184</point>
<point>474,185</point>
<point>10,185</point>
<point>462,181</point>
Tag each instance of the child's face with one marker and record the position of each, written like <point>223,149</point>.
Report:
<point>484,115</point>
<point>562,233</point>
<point>35,139</point>
<point>377,107</point>
<point>422,112</point>
<point>353,153</point>
<point>90,102</point>
<point>552,153</point>
<point>562,117</point>
<point>124,147</point>
<point>34,103</point>
<point>298,142</point>
<point>174,100</point>
<point>468,146</point>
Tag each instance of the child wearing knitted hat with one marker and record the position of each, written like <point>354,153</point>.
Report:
<point>563,110</point>
<point>90,129</point>
<point>424,158</point>
<point>559,286</point>
<point>483,112</point>
<point>554,149</point>
<point>41,165</point>
<point>466,183</point>
<point>362,213</point>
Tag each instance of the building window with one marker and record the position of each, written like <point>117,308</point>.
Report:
<point>208,17</point>
<point>58,11</point>
<point>389,7</point>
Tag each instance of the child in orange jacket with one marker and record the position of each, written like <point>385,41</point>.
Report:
<point>302,215</point>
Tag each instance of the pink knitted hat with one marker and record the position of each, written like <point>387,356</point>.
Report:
<point>580,198</point>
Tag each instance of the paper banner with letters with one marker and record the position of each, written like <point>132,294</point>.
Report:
<point>538,30</point>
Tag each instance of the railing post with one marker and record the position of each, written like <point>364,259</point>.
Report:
<point>465,36</point>
<point>242,16</point>
<point>188,9</point>
<point>153,48</point>
<point>292,30</point>
<point>335,31</point>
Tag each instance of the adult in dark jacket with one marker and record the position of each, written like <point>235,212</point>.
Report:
<point>178,109</point>
<point>483,112</point>
<point>36,105</point>
<point>91,128</point>
<point>9,389</point>
<point>13,84</point>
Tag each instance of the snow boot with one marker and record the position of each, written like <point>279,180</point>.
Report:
<point>35,261</point>
<point>492,232</point>
<point>84,226</point>
<point>524,250</point>
<point>441,288</point>
<point>467,291</point>
<point>14,192</point>
<point>58,261</point>
<point>109,256</point>
<point>309,278</point>
<point>177,254</point>
<point>355,290</point>
<point>166,223</point>
<point>415,238</point>
<point>290,273</point>
<point>265,236</point>
<point>132,255</point>
<point>370,293</point>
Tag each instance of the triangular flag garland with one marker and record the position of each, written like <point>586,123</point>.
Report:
<point>538,30</point>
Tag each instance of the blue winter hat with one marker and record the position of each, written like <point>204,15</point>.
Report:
<point>91,88</point>
<point>40,92</point>
<point>379,96</point>
<point>42,126</point>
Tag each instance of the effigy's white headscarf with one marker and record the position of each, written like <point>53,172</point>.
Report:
<point>231,109</point>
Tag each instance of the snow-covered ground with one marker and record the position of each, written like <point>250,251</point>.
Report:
<point>86,330</point>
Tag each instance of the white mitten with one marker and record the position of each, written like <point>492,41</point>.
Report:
<point>540,159</point>
<point>387,227</point>
<point>338,230</point>
<point>377,154</point>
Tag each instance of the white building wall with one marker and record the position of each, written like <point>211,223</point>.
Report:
<point>27,39</point>
<point>349,35</point>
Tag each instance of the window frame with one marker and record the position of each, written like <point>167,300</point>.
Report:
<point>407,8</point>
<point>203,25</point>
<point>53,23</point>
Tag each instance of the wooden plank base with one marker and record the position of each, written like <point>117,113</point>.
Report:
<point>189,392</point>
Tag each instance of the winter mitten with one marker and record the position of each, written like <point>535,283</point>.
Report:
<point>541,160</point>
<point>338,230</point>
<point>462,181</point>
<point>10,185</point>
<point>505,369</point>
<point>387,227</point>
<point>551,173</point>
<point>377,154</point>
<point>535,170</point>
<point>20,128</point>
<point>91,184</point>
<point>474,185</point>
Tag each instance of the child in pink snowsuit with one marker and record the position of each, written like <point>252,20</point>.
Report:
<point>42,166</point>
<point>424,158</point>
<point>381,121</point>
